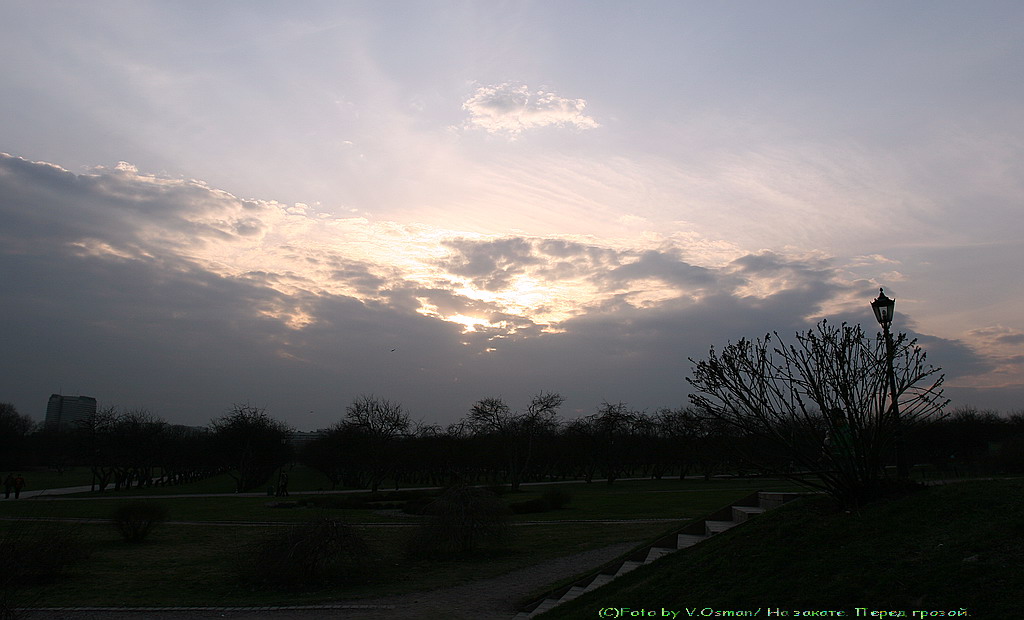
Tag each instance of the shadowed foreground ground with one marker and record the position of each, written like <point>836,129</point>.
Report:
<point>487,598</point>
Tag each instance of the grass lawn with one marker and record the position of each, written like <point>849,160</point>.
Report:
<point>945,548</point>
<point>636,499</point>
<point>645,499</point>
<point>196,564</point>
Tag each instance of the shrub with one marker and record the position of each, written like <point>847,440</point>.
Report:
<point>461,520</point>
<point>538,504</point>
<point>556,497</point>
<point>135,520</point>
<point>499,489</point>
<point>305,556</point>
<point>417,506</point>
<point>552,499</point>
<point>388,499</point>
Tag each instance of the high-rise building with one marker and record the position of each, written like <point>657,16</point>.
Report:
<point>63,412</point>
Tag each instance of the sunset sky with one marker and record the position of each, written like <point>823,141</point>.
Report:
<point>293,204</point>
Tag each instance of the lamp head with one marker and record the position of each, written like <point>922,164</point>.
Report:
<point>883,308</point>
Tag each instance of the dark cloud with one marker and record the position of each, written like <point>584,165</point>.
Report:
<point>665,266</point>
<point>359,276</point>
<point>489,264</point>
<point>44,201</point>
<point>492,264</point>
<point>136,323</point>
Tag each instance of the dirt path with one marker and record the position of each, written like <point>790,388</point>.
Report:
<point>483,599</point>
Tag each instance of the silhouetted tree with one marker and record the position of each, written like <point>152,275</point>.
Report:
<point>14,427</point>
<point>613,424</point>
<point>374,425</point>
<point>95,446</point>
<point>135,444</point>
<point>579,448</point>
<point>970,441</point>
<point>185,455</point>
<point>516,432</point>
<point>251,445</point>
<point>678,431</point>
<point>323,454</point>
<point>820,402</point>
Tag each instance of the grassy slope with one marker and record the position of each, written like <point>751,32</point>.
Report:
<point>946,548</point>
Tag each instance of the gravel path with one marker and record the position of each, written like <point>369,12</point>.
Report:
<point>480,600</point>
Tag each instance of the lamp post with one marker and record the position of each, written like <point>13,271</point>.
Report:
<point>883,308</point>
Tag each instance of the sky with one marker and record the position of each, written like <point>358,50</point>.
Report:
<point>291,205</point>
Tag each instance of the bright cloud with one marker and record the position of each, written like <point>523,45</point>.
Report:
<point>510,109</point>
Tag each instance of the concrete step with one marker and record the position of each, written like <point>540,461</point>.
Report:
<point>545,605</point>
<point>742,513</point>
<point>599,581</point>
<point>688,540</point>
<point>572,593</point>
<point>772,499</point>
<point>656,552</point>
<point>766,501</point>
<point>717,527</point>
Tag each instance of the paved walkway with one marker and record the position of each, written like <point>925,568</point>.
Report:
<point>46,492</point>
<point>58,492</point>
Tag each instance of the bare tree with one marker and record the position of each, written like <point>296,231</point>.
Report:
<point>135,442</point>
<point>516,432</point>
<point>613,425</point>
<point>374,424</point>
<point>821,403</point>
<point>95,446</point>
<point>14,427</point>
<point>251,445</point>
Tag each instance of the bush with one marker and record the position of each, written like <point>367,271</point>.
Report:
<point>556,497</point>
<point>34,554</point>
<point>538,504</point>
<point>387,499</point>
<point>417,506</point>
<point>552,499</point>
<point>135,520</point>
<point>461,520</point>
<point>305,556</point>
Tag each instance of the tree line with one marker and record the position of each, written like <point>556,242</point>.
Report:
<point>377,443</point>
<point>821,409</point>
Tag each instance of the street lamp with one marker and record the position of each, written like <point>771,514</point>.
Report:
<point>884,308</point>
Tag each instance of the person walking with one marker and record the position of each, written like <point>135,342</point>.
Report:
<point>8,486</point>
<point>19,484</point>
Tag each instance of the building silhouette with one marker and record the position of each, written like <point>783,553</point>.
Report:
<point>63,412</point>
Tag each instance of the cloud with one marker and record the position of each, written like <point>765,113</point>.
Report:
<point>491,264</point>
<point>167,293</point>
<point>510,109</point>
<point>999,335</point>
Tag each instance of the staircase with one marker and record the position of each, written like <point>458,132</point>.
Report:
<point>687,536</point>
